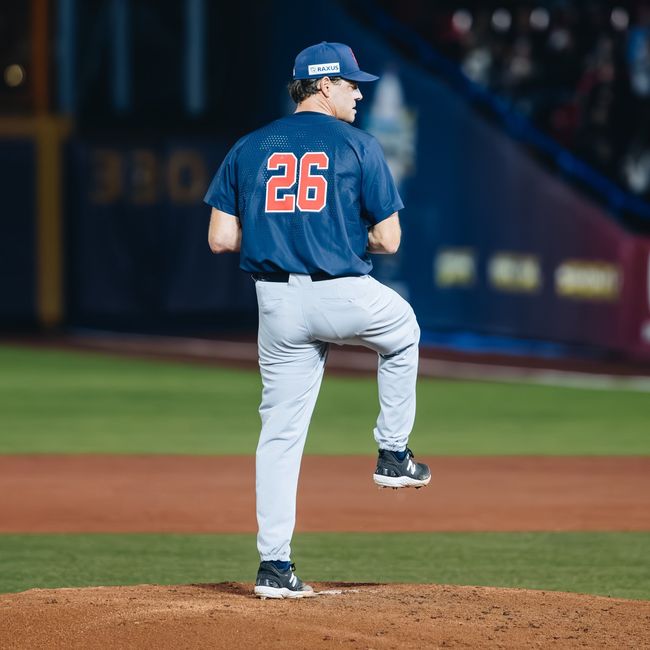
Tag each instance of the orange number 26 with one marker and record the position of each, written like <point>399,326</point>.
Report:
<point>312,187</point>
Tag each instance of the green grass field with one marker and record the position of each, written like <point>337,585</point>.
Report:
<point>610,564</point>
<point>64,402</point>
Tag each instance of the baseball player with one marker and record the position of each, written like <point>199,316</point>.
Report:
<point>305,199</point>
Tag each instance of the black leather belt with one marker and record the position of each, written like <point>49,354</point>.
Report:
<point>283,276</point>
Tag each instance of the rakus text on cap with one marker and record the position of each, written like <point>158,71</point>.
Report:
<point>329,60</point>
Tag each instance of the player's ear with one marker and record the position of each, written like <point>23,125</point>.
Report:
<point>324,86</point>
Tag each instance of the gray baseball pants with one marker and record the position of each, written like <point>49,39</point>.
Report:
<point>298,320</point>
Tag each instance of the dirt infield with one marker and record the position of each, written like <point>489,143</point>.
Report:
<point>93,493</point>
<point>179,494</point>
<point>359,616</point>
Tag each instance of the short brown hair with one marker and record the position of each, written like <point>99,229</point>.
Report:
<point>300,89</point>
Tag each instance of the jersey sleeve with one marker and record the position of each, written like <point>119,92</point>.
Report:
<point>379,196</point>
<point>222,193</point>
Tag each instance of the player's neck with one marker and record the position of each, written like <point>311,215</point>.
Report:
<point>316,104</point>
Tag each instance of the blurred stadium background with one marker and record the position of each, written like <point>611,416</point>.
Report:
<point>519,134</point>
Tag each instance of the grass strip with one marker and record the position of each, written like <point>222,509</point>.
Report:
<point>54,401</point>
<point>611,564</point>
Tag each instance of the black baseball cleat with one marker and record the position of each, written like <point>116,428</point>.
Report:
<point>275,583</point>
<point>393,473</point>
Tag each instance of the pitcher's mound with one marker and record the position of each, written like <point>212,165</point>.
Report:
<point>348,615</point>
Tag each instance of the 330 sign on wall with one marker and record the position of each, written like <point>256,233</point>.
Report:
<point>145,176</point>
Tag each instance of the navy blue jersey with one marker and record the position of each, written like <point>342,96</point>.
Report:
<point>305,188</point>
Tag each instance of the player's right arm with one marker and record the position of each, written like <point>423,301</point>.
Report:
<point>385,236</point>
<point>224,233</point>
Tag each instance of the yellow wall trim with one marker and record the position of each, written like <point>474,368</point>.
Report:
<point>48,134</point>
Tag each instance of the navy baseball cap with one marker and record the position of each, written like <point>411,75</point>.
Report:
<point>329,60</point>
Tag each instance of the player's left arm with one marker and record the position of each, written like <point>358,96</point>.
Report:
<point>380,200</point>
<point>385,236</point>
<point>224,234</point>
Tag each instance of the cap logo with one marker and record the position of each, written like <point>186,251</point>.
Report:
<point>324,68</point>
